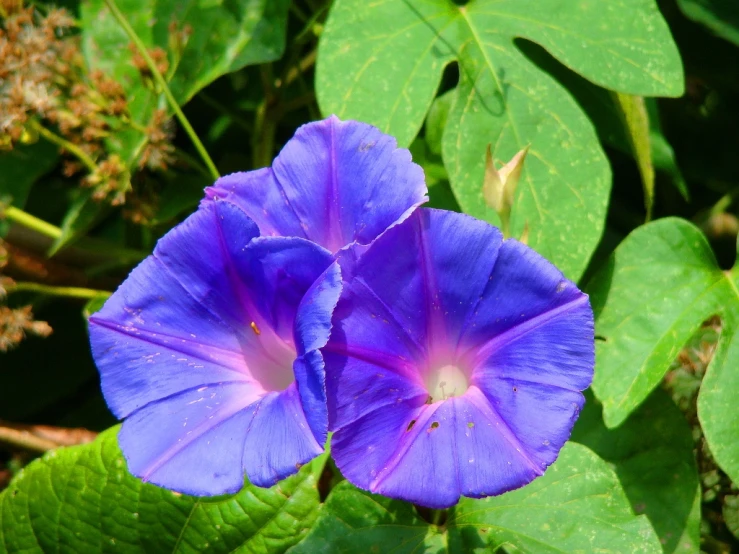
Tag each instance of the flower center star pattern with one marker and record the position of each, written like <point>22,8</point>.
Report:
<point>455,363</point>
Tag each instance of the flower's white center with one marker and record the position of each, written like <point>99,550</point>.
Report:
<point>269,359</point>
<point>445,382</point>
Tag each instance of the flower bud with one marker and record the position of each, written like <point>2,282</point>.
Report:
<point>499,185</point>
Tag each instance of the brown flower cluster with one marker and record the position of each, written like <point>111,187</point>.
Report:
<point>43,79</point>
<point>5,282</point>
<point>158,56</point>
<point>159,150</point>
<point>16,323</point>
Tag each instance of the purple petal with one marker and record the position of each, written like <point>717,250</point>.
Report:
<point>278,271</point>
<point>540,416</point>
<point>524,291</point>
<point>432,454</point>
<point>362,451</point>
<point>212,330</point>
<point>356,387</point>
<point>175,323</point>
<point>491,457</point>
<point>428,275</point>
<point>334,183</point>
<point>278,440</point>
<point>313,320</point>
<point>312,329</point>
<point>486,336</point>
<point>555,350</point>
<point>191,442</point>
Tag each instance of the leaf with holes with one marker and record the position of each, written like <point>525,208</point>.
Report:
<point>578,505</point>
<point>82,499</point>
<point>382,63</point>
<point>649,298</point>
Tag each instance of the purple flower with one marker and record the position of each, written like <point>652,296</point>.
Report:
<point>210,348</point>
<point>455,363</point>
<point>210,351</point>
<point>335,183</point>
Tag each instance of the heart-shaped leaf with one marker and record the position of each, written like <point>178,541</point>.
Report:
<point>649,298</point>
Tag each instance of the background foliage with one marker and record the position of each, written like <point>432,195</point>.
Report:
<point>115,116</point>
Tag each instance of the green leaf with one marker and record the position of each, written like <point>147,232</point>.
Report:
<point>652,454</point>
<point>21,167</point>
<point>576,506</point>
<point>600,107</point>
<point>633,112</point>
<point>719,391</point>
<point>720,16</point>
<point>182,192</point>
<point>382,63</point>
<point>663,156</point>
<point>730,512</point>
<point>436,121</point>
<point>83,212</point>
<point>353,520</point>
<point>437,180</point>
<point>660,284</point>
<point>222,37</point>
<point>81,499</point>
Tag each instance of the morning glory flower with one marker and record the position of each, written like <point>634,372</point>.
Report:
<point>455,363</point>
<point>336,183</point>
<point>210,351</point>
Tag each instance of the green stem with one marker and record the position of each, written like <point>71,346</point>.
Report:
<point>69,292</point>
<point>88,162</point>
<point>264,136</point>
<point>298,12</point>
<point>32,222</point>
<point>724,202</point>
<point>141,47</point>
<point>438,517</point>
<point>265,121</point>
<point>16,215</point>
<point>303,65</point>
<point>505,223</point>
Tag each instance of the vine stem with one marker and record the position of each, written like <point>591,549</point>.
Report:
<point>88,162</point>
<point>16,215</point>
<point>303,65</point>
<point>141,47</point>
<point>32,222</point>
<point>265,122</point>
<point>25,439</point>
<point>40,438</point>
<point>69,292</point>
